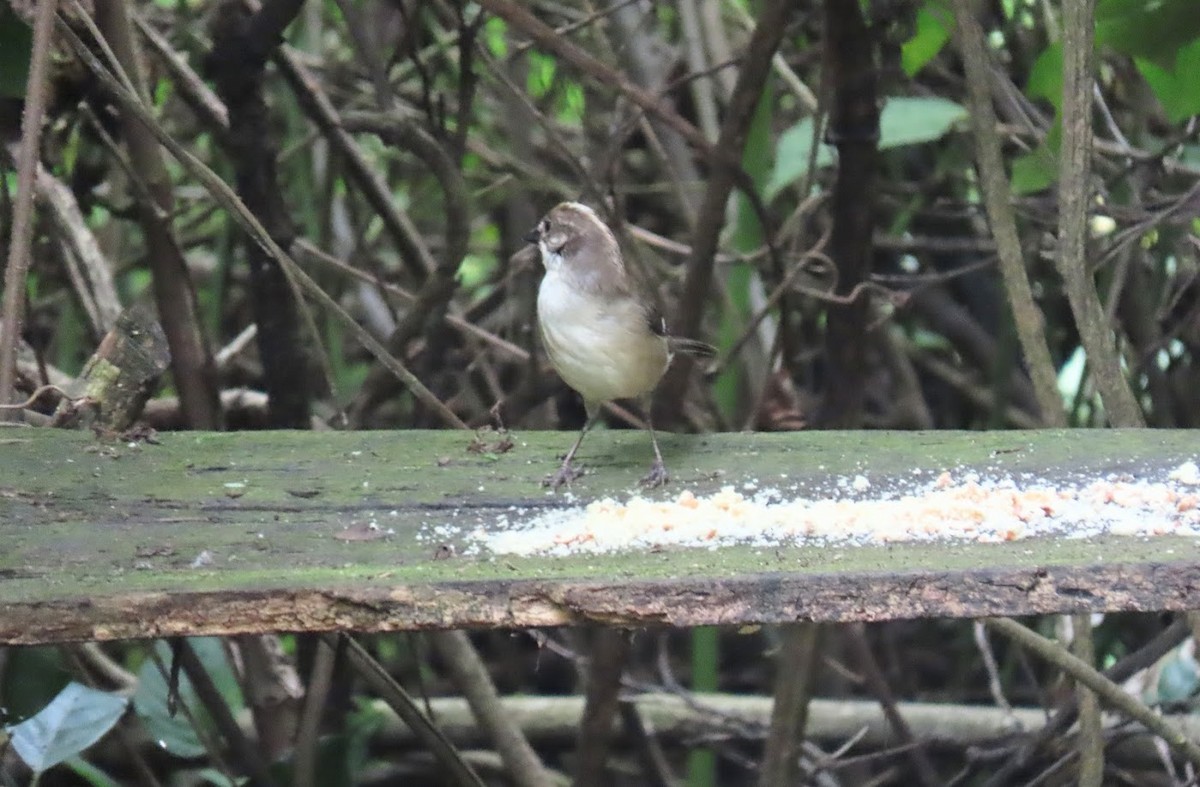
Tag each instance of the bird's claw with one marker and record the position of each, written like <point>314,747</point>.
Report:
<point>564,475</point>
<point>657,476</point>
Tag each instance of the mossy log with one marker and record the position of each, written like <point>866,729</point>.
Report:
<point>206,533</point>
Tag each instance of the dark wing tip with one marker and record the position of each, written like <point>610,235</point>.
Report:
<point>694,348</point>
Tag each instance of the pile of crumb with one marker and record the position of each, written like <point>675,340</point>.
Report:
<point>855,511</point>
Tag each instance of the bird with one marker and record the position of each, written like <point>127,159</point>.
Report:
<point>603,334</point>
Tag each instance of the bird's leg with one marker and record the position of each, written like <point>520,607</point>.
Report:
<point>658,474</point>
<point>567,473</point>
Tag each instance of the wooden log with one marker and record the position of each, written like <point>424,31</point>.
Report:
<point>553,722</point>
<point>120,376</point>
<point>250,532</point>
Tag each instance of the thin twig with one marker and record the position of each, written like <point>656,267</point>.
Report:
<point>316,104</point>
<point>223,194</point>
<point>578,24</point>
<point>89,270</point>
<point>191,360</point>
<point>607,655</point>
<point>406,708</point>
<point>656,767</point>
<point>990,666</point>
<point>751,82</point>
<point>1028,318</point>
<point>1074,192</point>
<point>210,697</point>
<point>37,394</point>
<point>719,157</point>
<point>310,716</point>
<point>192,89</point>
<point>1106,690</point>
<point>1126,667</point>
<point>1091,726</point>
<point>21,238</point>
<point>467,327</point>
<point>877,685</point>
<point>471,677</point>
<point>796,668</point>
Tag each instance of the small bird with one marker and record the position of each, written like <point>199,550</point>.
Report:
<point>602,333</point>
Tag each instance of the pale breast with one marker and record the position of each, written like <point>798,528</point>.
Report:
<point>600,346</point>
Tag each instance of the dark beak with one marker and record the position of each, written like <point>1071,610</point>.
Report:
<point>533,236</point>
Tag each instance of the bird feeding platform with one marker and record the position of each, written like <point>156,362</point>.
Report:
<point>197,533</point>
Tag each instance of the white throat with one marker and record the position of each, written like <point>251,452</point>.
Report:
<point>553,260</point>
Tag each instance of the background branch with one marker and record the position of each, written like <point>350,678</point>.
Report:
<point>21,239</point>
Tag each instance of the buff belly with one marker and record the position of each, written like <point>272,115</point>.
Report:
<point>601,347</point>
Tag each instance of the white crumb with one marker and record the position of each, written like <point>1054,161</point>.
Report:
<point>951,505</point>
<point>1187,473</point>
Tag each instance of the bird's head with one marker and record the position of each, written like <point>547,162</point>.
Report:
<point>573,239</point>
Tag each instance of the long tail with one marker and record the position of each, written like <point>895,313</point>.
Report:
<point>692,347</point>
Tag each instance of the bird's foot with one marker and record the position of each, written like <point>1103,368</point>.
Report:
<point>657,476</point>
<point>564,475</point>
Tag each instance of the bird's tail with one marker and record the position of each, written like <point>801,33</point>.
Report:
<point>692,347</point>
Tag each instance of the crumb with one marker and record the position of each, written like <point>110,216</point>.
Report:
<point>981,507</point>
<point>1187,473</point>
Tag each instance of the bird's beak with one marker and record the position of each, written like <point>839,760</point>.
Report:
<point>533,236</point>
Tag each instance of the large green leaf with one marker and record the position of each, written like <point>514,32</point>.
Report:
<point>1037,169</point>
<point>1179,678</point>
<point>904,121</point>
<point>791,157</point>
<point>90,773</point>
<point>33,676</point>
<point>74,720</point>
<point>1034,171</point>
<point>1178,88</point>
<point>1151,29</point>
<point>933,26</point>
<point>912,121</point>
<point>174,734</point>
<point>16,43</point>
<point>1046,76</point>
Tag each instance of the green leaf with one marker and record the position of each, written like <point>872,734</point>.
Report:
<point>1177,89</point>
<point>1034,171</point>
<point>1046,76</point>
<point>911,121</point>
<point>162,92</point>
<point>1151,29</point>
<point>571,104</point>
<point>16,44</point>
<point>33,676</point>
<point>541,74</point>
<point>904,121</point>
<point>1179,680</point>
<point>90,773</point>
<point>933,25</point>
<point>174,734</point>
<point>476,270</point>
<point>74,720</point>
<point>210,776</point>
<point>791,157</point>
<point>495,34</point>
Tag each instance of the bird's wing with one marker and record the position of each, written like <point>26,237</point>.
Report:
<point>678,344</point>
